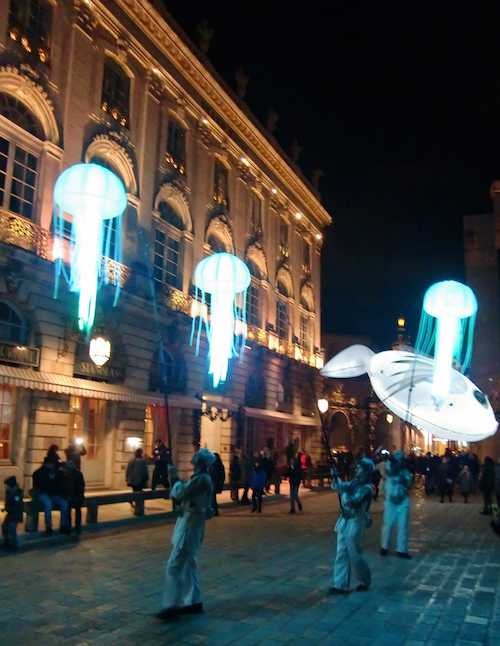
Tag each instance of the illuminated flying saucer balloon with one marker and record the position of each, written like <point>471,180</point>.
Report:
<point>226,278</point>
<point>404,382</point>
<point>92,195</point>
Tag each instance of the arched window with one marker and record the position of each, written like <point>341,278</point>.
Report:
<point>282,288</point>
<point>115,98</point>
<point>12,326</point>
<point>282,321</point>
<point>169,214</point>
<point>29,25</point>
<point>18,166</point>
<point>305,333</point>
<point>216,244</point>
<point>253,305</point>
<point>176,146</point>
<point>167,260</point>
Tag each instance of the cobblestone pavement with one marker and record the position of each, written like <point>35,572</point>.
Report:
<point>264,581</point>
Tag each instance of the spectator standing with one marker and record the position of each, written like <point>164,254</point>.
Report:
<point>497,481</point>
<point>465,482</point>
<point>246,472</point>
<point>162,459</point>
<point>295,476</point>
<point>14,513</point>
<point>50,492</point>
<point>487,484</point>
<point>75,488</point>
<point>445,478</point>
<point>137,475</point>
<point>218,474</point>
<point>257,483</point>
<point>234,476</point>
<point>74,453</point>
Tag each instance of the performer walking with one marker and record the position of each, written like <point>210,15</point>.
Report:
<point>398,481</point>
<point>355,499</point>
<point>181,594</point>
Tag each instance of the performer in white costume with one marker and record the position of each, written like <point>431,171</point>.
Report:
<point>355,498</point>
<point>397,484</point>
<point>181,594</point>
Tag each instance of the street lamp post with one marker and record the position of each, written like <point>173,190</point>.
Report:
<point>323,406</point>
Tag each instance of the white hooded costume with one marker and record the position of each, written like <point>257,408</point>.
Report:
<point>355,499</point>
<point>181,589</point>
<point>397,483</point>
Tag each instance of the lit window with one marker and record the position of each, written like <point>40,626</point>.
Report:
<point>253,313</point>
<point>221,185</point>
<point>304,332</point>
<point>176,145</point>
<point>29,25</point>
<point>12,327</point>
<point>166,262</point>
<point>18,178</point>
<point>116,92</point>
<point>6,421</point>
<point>282,320</point>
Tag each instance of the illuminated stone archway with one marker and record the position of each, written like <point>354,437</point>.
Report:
<point>34,97</point>
<point>106,148</point>
<point>177,200</point>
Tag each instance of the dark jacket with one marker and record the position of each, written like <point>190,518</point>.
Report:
<point>49,481</point>
<point>137,474</point>
<point>295,472</point>
<point>445,476</point>
<point>235,470</point>
<point>218,475</point>
<point>487,477</point>
<point>258,479</point>
<point>14,505</point>
<point>75,486</point>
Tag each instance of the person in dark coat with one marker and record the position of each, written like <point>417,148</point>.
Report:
<point>218,475</point>
<point>161,458</point>
<point>49,490</point>
<point>75,489</point>
<point>487,484</point>
<point>445,479</point>
<point>137,474</point>
<point>14,513</point>
<point>257,483</point>
<point>295,476</point>
<point>234,476</point>
<point>74,453</point>
<point>246,472</point>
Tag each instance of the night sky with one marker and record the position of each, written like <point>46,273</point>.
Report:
<point>399,104</point>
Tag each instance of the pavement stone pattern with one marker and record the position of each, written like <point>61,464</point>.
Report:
<point>265,580</point>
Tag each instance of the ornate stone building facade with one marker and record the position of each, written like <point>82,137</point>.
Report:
<point>114,84</point>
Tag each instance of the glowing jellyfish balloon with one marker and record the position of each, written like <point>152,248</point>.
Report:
<point>92,195</point>
<point>226,278</point>
<point>447,327</point>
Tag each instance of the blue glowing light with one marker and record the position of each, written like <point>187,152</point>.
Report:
<point>447,327</point>
<point>90,194</point>
<point>226,278</point>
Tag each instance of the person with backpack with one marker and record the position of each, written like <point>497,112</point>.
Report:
<point>181,593</point>
<point>14,513</point>
<point>398,482</point>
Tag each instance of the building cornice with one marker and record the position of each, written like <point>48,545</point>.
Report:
<point>195,73</point>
